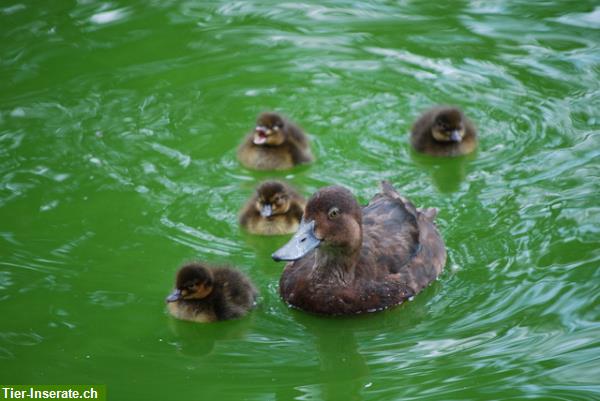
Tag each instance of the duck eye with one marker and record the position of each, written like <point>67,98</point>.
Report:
<point>333,212</point>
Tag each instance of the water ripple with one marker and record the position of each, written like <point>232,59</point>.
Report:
<point>133,140</point>
<point>199,240</point>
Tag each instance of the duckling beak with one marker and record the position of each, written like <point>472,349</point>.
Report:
<point>175,296</point>
<point>266,210</point>
<point>455,136</point>
<point>260,135</point>
<point>301,243</point>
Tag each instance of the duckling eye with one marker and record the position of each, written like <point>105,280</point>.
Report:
<point>333,212</point>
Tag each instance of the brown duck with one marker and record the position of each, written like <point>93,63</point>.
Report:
<point>444,131</point>
<point>275,144</point>
<point>347,259</point>
<point>274,209</point>
<point>207,294</point>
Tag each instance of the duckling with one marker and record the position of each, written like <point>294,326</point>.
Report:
<point>275,209</point>
<point>444,131</point>
<point>208,294</point>
<point>346,259</point>
<point>275,144</point>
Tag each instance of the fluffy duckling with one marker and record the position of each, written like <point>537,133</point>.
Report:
<point>275,144</point>
<point>274,209</point>
<point>208,294</point>
<point>347,259</point>
<point>444,131</point>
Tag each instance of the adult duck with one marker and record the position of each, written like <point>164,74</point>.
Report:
<point>346,259</point>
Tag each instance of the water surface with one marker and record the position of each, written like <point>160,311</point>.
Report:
<point>119,123</point>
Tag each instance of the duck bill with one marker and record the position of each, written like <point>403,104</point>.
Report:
<point>174,296</point>
<point>266,211</point>
<point>455,136</point>
<point>260,135</point>
<point>301,243</point>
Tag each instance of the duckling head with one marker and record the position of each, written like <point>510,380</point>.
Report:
<point>448,126</point>
<point>193,281</point>
<point>269,130</point>
<point>331,221</point>
<point>272,198</point>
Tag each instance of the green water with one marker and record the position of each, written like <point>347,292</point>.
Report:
<point>119,123</point>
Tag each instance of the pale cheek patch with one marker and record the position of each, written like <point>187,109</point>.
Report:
<point>203,291</point>
<point>438,136</point>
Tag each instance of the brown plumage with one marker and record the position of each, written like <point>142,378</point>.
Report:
<point>207,294</point>
<point>444,131</point>
<point>275,144</point>
<point>274,209</point>
<point>349,259</point>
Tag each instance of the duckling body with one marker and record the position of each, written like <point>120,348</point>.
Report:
<point>444,131</point>
<point>346,260</point>
<point>275,144</point>
<point>274,209</point>
<point>207,294</point>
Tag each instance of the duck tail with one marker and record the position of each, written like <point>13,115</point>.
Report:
<point>429,213</point>
<point>388,189</point>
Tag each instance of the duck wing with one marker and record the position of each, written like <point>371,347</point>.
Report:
<point>298,144</point>
<point>402,240</point>
<point>390,231</point>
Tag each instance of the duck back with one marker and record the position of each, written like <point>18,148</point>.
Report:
<point>234,294</point>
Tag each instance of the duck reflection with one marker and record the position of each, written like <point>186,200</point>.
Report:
<point>193,339</point>
<point>342,371</point>
<point>447,174</point>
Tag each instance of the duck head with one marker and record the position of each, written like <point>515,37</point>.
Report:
<point>193,281</point>
<point>272,198</point>
<point>331,221</point>
<point>269,130</point>
<point>448,126</point>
